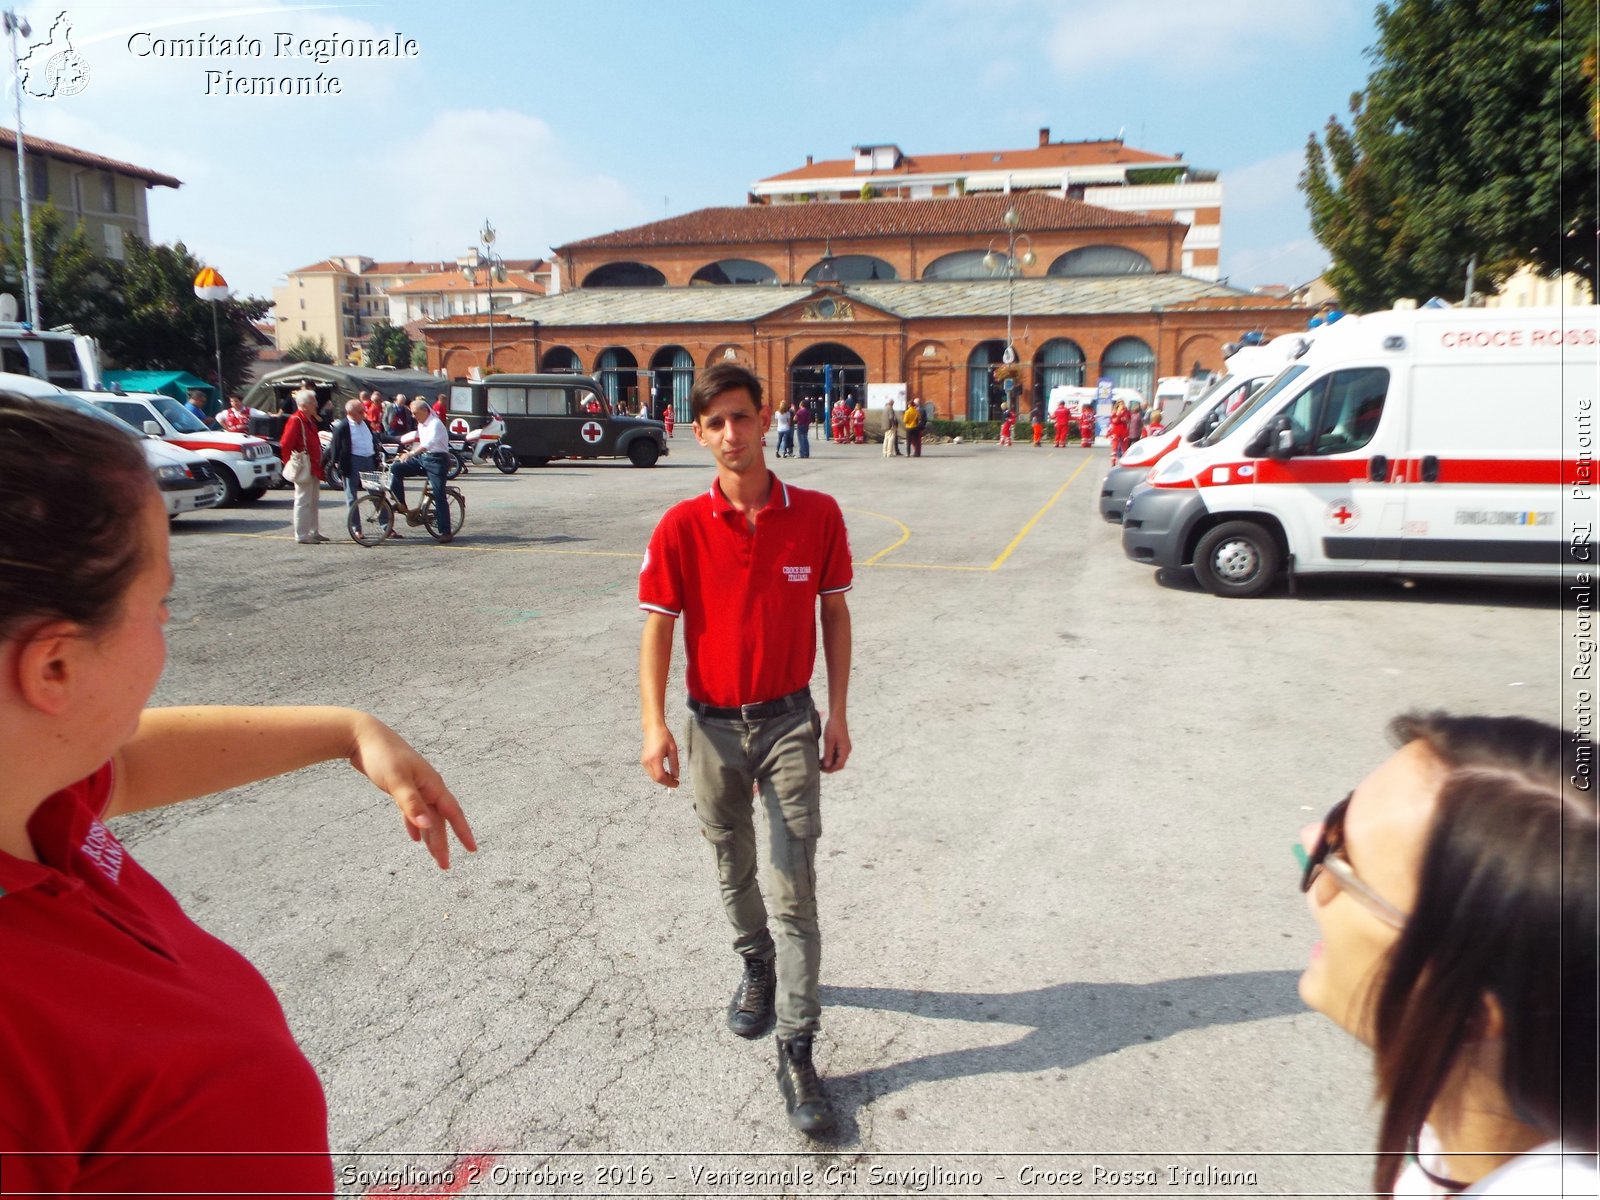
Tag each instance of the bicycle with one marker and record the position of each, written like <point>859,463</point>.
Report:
<point>373,519</point>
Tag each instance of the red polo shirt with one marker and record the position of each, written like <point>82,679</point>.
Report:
<point>748,599</point>
<point>137,1047</point>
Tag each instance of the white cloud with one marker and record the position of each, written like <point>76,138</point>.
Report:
<point>509,167</point>
<point>1270,185</point>
<point>1113,37</point>
<point>273,183</point>
<point>1291,262</point>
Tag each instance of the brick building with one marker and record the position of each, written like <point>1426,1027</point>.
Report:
<point>1105,172</point>
<point>840,296</point>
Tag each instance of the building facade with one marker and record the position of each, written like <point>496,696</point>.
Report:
<point>340,299</point>
<point>106,195</point>
<point>1106,173</point>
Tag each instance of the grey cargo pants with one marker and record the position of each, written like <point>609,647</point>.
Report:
<point>730,760</point>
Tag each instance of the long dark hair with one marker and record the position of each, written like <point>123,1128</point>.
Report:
<point>72,494</point>
<point>1506,907</point>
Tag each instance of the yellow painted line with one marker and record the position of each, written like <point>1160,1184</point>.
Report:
<point>905,535</point>
<point>1034,520</point>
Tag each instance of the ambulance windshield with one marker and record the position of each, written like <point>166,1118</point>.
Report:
<point>1254,405</point>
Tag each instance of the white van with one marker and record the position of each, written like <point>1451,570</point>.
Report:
<point>1422,442</point>
<point>1247,370</point>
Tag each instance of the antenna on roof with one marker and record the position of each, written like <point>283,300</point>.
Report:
<point>1121,131</point>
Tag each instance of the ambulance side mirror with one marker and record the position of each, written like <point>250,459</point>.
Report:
<point>1280,439</point>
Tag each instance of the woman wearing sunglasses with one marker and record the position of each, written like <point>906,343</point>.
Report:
<point>1455,890</point>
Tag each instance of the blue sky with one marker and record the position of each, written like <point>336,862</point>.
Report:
<point>561,120</point>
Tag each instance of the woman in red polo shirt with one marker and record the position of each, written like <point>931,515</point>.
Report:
<point>142,1055</point>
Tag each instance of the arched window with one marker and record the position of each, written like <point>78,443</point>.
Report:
<point>674,375</point>
<point>1101,260</point>
<point>851,268</point>
<point>1059,364</point>
<point>735,270</point>
<point>824,373</point>
<point>962,264</point>
<point>1130,363</point>
<point>618,373</point>
<point>625,274</point>
<point>984,393</point>
<point>560,360</point>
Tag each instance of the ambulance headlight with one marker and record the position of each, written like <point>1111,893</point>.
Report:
<point>1169,470</point>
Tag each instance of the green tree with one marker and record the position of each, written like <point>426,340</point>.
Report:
<point>77,285</point>
<point>1473,137</point>
<point>388,346</point>
<point>419,356</point>
<point>309,349</point>
<point>165,325</point>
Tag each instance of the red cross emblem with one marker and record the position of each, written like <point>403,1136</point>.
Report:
<point>1341,514</point>
<point>458,427</point>
<point>591,432</point>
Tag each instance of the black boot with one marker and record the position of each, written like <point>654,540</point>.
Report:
<point>809,1110</point>
<point>751,1012</point>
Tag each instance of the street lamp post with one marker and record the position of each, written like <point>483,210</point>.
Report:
<point>15,24</point>
<point>494,268</point>
<point>1011,266</point>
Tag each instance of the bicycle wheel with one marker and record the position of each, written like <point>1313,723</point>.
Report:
<point>372,520</point>
<point>458,514</point>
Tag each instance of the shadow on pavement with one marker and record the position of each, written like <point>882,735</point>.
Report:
<point>1421,589</point>
<point>1071,1023</point>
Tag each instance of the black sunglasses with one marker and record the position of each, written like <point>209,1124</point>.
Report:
<point>1329,855</point>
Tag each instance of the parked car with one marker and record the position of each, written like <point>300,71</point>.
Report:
<point>245,465</point>
<point>555,416</point>
<point>186,480</point>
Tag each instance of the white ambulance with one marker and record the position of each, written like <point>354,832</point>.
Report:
<point>1421,442</point>
<point>1247,369</point>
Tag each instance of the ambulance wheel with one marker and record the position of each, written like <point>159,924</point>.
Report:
<point>1237,558</point>
<point>643,453</point>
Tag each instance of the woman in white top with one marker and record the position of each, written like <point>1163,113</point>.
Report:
<point>785,424</point>
<point>1455,890</point>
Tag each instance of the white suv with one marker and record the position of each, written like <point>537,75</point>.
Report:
<point>246,465</point>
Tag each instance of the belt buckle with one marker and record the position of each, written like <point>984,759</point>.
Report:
<point>747,712</point>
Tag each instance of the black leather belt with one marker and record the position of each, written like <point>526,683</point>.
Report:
<point>793,702</point>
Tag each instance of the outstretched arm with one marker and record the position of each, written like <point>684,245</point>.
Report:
<point>180,753</point>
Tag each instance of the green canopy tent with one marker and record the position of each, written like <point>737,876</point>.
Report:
<point>168,383</point>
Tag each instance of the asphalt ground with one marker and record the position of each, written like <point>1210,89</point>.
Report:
<point>1059,905</point>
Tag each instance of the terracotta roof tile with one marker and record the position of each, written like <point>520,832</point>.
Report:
<point>38,145</point>
<point>454,281</point>
<point>1038,211</point>
<point>1053,154</point>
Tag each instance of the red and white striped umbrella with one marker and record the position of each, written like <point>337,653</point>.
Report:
<point>210,285</point>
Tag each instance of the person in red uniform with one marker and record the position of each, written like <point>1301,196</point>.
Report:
<point>142,1055</point>
<point>1118,430</point>
<point>1063,421</point>
<point>1008,422</point>
<point>745,566</point>
<point>236,417</point>
<point>858,424</point>
<point>372,409</point>
<point>1086,424</point>
<point>840,419</point>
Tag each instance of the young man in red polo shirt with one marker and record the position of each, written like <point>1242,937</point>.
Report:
<point>744,566</point>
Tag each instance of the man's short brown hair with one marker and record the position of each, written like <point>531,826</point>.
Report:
<point>724,377</point>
